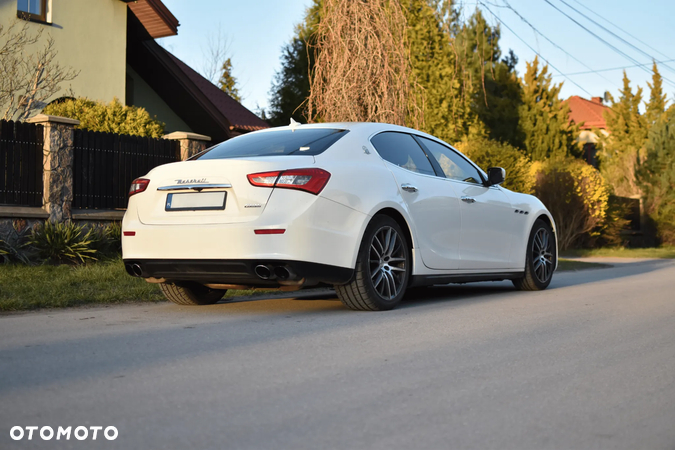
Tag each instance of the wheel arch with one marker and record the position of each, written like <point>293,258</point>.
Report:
<point>398,217</point>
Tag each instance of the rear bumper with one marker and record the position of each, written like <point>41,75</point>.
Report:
<point>316,231</point>
<point>238,271</point>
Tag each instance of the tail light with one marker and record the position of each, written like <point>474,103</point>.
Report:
<point>138,186</point>
<point>308,180</point>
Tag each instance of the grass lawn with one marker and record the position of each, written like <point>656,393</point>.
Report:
<point>31,287</point>
<point>620,252</point>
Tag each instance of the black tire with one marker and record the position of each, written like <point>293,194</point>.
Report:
<point>190,293</point>
<point>540,259</point>
<point>382,271</point>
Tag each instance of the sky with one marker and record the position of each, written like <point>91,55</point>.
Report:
<point>257,31</point>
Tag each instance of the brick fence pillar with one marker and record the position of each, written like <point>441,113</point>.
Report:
<point>190,143</point>
<point>58,165</point>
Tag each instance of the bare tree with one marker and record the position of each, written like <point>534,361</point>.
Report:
<point>363,70</point>
<point>215,53</point>
<point>28,79</point>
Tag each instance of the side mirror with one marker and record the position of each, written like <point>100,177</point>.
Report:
<point>496,175</point>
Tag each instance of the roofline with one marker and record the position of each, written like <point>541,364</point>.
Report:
<point>203,101</point>
<point>163,14</point>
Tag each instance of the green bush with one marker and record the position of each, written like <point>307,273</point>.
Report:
<point>63,242</point>
<point>11,247</point>
<point>110,118</point>
<point>577,197</point>
<point>107,240</point>
<point>657,176</point>
<point>488,153</point>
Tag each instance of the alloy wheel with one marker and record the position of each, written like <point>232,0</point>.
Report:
<point>542,255</point>
<point>387,262</point>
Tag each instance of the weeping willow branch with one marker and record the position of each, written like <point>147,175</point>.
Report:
<point>363,71</point>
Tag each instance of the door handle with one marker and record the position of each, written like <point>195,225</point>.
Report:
<point>469,199</point>
<point>408,187</point>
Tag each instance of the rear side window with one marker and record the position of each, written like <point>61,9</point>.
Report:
<point>453,165</point>
<point>276,143</point>
<point>402,150</point>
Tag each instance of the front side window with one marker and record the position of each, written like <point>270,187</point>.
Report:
<point>402,150</point>
<point>310,141</point>
<point>32,10</point>
<point>454,166</point>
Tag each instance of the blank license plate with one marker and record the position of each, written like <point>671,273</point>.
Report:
<point>195,201</point>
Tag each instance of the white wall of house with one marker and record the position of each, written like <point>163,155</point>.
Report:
<point>90,36</point>
<point>589,137</point>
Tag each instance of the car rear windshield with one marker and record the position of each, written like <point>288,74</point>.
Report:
<point>310,141</point>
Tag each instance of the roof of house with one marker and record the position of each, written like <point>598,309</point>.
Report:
<point>155,17</point>
<point>589,113</point>
<point>199,103</point>
<point>240,118</point>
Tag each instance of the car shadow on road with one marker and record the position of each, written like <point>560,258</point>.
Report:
<point>451,292</point>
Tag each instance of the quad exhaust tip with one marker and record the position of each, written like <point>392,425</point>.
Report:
<point>264,272</point>
<point>273,272</point>
<point>134,269</point>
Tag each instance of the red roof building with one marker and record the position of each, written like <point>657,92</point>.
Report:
<point>589,114</point>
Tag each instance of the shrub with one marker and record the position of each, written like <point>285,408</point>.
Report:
<point>577,197</point>
<point>107,240</point>
<point>63,242</point>
<point>657,176</point>
<point>12,243</point>
<point>488,153</point>
<point>110,118</point>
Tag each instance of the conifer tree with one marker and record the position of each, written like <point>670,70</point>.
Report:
<point>433,64</point>
<point>544,118</point>
<point>290,88</point>
<point>657,99</point>
<point>657,175</point>
<point>621,150</point>
<point>227,81</point>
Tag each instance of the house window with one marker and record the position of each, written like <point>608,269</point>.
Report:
<point>33,10</point>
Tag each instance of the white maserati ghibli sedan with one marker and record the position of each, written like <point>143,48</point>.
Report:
<point>369,208</point>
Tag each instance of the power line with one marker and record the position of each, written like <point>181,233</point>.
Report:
<point>615,68</point>
<point>508,5</point>
<point>531,48</point>
<point>618,27</point>
<point>634,61</point>
<point>614,34</point>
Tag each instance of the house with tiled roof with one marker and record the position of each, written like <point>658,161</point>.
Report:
<point>589,114</point>
<point>111,44</point>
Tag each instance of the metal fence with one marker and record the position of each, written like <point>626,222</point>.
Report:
<point>21,163</point>
<point>105,164</point>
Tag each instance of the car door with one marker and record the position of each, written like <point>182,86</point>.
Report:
<point>431,200</point>
<point>487,216</point>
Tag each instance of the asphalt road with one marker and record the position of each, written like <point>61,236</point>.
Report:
<point>587,364</point>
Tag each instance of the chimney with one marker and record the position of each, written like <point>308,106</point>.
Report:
<point>597,100</point>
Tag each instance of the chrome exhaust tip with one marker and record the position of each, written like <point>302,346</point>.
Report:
<point>137,270</point>
<point>282,273</point>
<point>263,272</point>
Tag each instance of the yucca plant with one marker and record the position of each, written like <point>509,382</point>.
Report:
<point>13,253</point>
<point>107,240</point>
<point>63,242</point>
